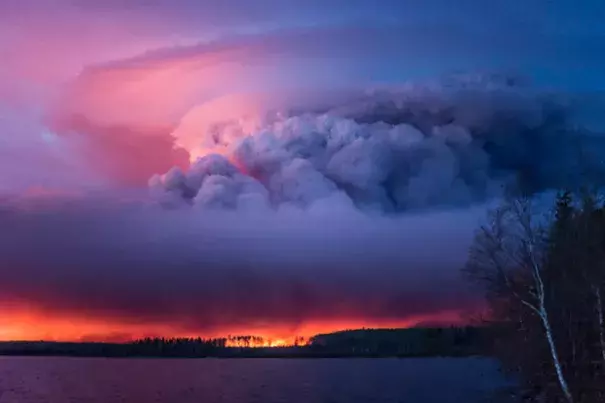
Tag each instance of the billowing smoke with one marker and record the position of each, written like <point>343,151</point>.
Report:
<point>388,150</point>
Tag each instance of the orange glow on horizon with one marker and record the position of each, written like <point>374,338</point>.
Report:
<point>34,325</point>
<point>259,342</point>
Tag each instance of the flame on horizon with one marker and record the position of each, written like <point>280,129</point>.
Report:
<point>33,325</point>
<point>261,342</point>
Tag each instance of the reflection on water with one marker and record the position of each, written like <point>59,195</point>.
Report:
<point>66,380</point>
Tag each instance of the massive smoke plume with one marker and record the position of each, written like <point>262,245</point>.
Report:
<point>287,195</point>
<point>319,211</point>
<point>389,150</point>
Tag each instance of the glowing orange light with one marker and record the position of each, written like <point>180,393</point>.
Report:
<point>21,321</point>
<point>259,342</point>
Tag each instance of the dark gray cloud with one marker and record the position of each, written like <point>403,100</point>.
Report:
<point>212,270</point>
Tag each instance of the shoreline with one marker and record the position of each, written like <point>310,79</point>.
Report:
<point>248,357</point>
<point>360,343</point>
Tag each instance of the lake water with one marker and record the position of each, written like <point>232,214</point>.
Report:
<point>95,380</point>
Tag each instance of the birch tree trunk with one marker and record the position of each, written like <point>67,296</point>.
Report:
<point>532,245</point>
<point>555,356</point>
<point>513,243</point>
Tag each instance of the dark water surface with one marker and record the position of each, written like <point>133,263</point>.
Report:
<point>95,380</point>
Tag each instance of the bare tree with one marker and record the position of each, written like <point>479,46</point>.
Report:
<point>509,257</point>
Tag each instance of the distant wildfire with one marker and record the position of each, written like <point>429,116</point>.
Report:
<point>28,324</point>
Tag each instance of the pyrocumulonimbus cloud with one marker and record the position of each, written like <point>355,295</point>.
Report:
<point>267,180</point>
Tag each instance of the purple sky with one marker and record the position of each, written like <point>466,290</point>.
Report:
<point>98,97</point>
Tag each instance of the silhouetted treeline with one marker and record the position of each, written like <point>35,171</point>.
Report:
<point>544,279</point>
<point>451,341</point>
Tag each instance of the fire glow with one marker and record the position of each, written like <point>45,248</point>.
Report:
<point>261,342</point>
<point>31,325</point>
